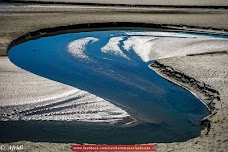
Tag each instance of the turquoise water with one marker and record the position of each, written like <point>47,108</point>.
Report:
<point>165,112</point>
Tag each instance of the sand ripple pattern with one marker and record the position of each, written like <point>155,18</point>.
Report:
<point>30,97</point>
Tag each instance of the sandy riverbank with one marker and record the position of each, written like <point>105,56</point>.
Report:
<point>210,69</point>
<point>23,94</point>
<point>214,75</point>
<point>18,20</point>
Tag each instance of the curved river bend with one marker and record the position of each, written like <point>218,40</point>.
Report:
<point>113,65</point>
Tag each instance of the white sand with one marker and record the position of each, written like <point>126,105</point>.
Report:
<point>157,45</point>
<point>112,47</point>
<point>27,93</point>
<point>77,47</point>
<point>152,47</point>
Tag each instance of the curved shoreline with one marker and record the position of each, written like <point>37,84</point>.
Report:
<point>29,19</point>
<point>118,25</point>
<point>45,32</point>
<point>161,145</point>
<point>213,68</point>
<point>158,68</point>
<point>191,145</point>
<point>176,83</point>
<point>27,96</point>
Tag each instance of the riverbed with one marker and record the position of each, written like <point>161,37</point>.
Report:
<point>109,66</point>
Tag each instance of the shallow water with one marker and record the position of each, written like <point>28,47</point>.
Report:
<point>112,71</point>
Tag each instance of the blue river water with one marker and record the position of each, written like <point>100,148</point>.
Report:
<point>165,112</point>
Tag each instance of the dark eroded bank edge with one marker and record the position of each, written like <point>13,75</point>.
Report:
<point>113,26</point>
<point>209,94</point>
